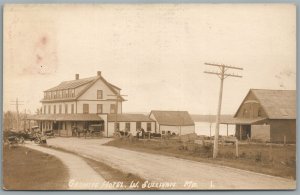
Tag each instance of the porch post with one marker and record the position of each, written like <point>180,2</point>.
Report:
<point>240,132</point>
<point>227,129</point>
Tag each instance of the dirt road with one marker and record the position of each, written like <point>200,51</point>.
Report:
<point>82,176</point>
<point>159,169</point>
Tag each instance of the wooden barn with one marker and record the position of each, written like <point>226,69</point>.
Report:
<point>266,115</point>
<point>173,122</point>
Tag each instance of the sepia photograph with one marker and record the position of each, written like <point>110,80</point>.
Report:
<point>149,97</point>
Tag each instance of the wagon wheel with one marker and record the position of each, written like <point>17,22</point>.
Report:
<point>21,140</point>
<point>37,141</point>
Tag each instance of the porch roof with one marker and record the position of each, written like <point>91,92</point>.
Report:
<point>241,121</point>
<point>65,117</point>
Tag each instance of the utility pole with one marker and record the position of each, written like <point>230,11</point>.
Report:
<point>118,98</point>
<point>17,104</point>
<point>222,74</point>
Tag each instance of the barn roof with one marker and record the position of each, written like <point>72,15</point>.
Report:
<point>278,104</point>
<point>174,118</point>
<point>241,121</point>
<point>128,118</point>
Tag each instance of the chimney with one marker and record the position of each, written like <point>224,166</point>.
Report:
<point>98,73</point>
<point>76,76</point>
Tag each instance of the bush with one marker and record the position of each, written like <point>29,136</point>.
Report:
<point>243,155</point>
<point>181,147</point>
<point>258,157</point>
<point>207,147</point>
<point>155,135</point>
<point>229,155</point>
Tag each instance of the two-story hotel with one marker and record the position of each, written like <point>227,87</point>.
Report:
<point>84,102</point>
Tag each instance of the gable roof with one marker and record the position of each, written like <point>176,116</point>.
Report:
<point>80,82</point>
<point>174,118</point>
<point>128,118</point>
<point>278,104</point>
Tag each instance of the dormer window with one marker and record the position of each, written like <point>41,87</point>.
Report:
<point>58,94</point>
<point>67,93</point>
<point>54,94</point>
<point>49,95</point>
<point>71,93</point>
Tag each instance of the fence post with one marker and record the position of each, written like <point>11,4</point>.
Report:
<point>236,148</point>
<point>270,152</point>
<point>285,149</point>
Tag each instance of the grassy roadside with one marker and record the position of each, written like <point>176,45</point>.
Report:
<point>276,160</point>
<point>26,169</point>
<point>108,173</point>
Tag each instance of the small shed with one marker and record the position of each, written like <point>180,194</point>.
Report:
<point>177,122</point>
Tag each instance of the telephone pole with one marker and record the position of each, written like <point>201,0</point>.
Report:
<point>118,98</point>
<point>17,104</point>
<point>222,74</point>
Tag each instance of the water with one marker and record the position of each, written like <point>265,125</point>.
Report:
<point>202,128</point>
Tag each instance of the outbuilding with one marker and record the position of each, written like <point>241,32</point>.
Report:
<point>266,115</point>
<point>173,122</point>
<point>130,123</point>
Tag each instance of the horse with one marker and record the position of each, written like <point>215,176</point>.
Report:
<point>76,131</point>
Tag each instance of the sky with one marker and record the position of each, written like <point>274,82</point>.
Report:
<point>155,53</point>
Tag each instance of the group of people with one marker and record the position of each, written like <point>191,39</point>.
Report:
<point>140,131</point>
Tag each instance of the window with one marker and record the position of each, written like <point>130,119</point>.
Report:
<point>45,109</point>
<point>148,126</point>
<point>138,125</point>
<point>63,93</point>
<point>117,126</point>
<point>99,94</point>
<point>66,108</point>
<point>49,109</point>
<point>59,124</point>
<point>99,108</point>
<point>45,95</point>
<point>67,93</point>
<point>71,92</point>
<point>54,94</point>
<point>127,126</point>
<point>58,94</point>
<point>72,108</point>
<point>259,113</point>
<point>112,108</point>
<point>60,108</point>
<point>163,132</point>
<point>54,109</point>
<point>85,108</point>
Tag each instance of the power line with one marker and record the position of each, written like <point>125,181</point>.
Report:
<point>222,74</point>
<point>118,98</point>
<point>17,104</point>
